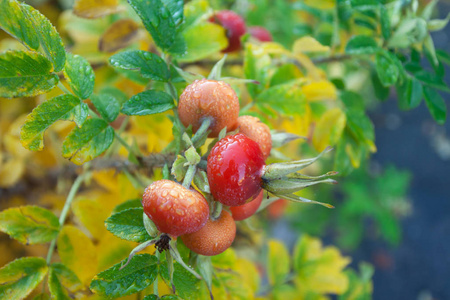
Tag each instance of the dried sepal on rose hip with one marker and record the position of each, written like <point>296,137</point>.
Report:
<point>209,100</point>
<point>213,238</point>
<point>257,131</point>
<point>237,173</point>
<point>174,209</point>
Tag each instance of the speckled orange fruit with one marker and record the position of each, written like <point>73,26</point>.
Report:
<point>174,209</point>
<point>209,99</point>
<point>214,238</point>
<point>247,210</point>
<point>257,131</point>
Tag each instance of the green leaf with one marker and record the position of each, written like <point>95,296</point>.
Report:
<point>25,74</point>
<point>49,38</point>
<point>175,8</point>
<point>157,19</point>
<point>120,96</point>
<point>62,280</point>
<point>194,11</point>
<point>136,276</point>
<point>436,25</point>
<point>443,56</point>
<point>79,75</point>
<point>133,203</point>
<point>381,92</point>
<point>107,105</point>
<point>202,40</point>
<point>42,296</point>
<point>21,276</point>
<point>285,73</point>
<point>386,68</point>
<point>361,44</point>
<point>365,4</point>
<point>14,21</point>
<point>186,284</point>
<point>151,297</point>
<point>86,143</point>
<point>278,263</point>
<point>29,224</point>
<point>64,107</point>
<point>385,22</point>
<point>409,94</point>
<point>435,104</point>
<point>148,103</point>
<point>284,98</point>
<point>410,31</point>
<point>148,64</point>
<point>128,225</point>
<point>431,80</point>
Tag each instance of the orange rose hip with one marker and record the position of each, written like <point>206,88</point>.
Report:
<point>256,130</point>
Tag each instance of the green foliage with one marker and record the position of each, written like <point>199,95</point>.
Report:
<point>361,44</point>
<point>136,276</point>
<point>24,74</point>
<point>186,285</point>
<point>64,107</point>
<point>127,224</point>
<point>61,281</point>
<point>79,75</point>
<point>21,276</point>
<point>287,99</point>
<point>148,103</point>
<point>29,224</point>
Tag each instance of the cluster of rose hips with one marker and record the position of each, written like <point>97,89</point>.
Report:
<point>236,28</point>
<point>236,173</point>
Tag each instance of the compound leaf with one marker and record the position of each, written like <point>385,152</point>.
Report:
<point>79,75</point>
<point>128,225</point>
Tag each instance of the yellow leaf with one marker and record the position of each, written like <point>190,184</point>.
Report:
<point>92,215</point>
<point>308,44</point>
<point>249,273</point>
<point>329,128</point>
<point>298,124</point>
<point>314,72</point>
<point>321,4</point>
<point>278,262</point>
<point>11,172</point>
<point>78,253</point>
<point>113,251</point>
<point>273,48</point>
<point>92,9</point>
<point>118,36</point>
<point>106,179</point>
<point>319,90</point>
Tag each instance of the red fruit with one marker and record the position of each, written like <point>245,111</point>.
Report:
<point>257,131</point>
<point>260,33</point>
<point>247,210</point>
<point>209,99</point>
<point>213,238</point>
<point>235,26</point>
<point>174,209</point>
<point>235,166</point>
<point>277,208</point>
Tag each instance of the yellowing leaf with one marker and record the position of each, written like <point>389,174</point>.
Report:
<point>278,263</point>
<point>321,4</point>
<point>249,273</point>
<point>92,215</point>
<point>113,251</point>
<point>118,36</point>
<point>329,129</point>
<point>11,172</point>
<point>77,252</point>
<point>272,48</point>
<point>319,90</point>
<point>298,124</point>
<point>308,44</point>
<point>314,72</point>
<point>92,9</point>
<point>319,270</point>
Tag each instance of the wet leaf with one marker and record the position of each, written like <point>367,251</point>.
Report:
<point>128,225</point>
<point>148,103</point>
<point>92,9</point>
<point>25,74</point>
<point>64,107</point>
<point>148,64</point>
<point>79,75</point>
<point>21,276</point>
<point>29,224</point>
<point>119,35</point>
<point>77,252</point>
<point>107,105</point>
<point>185,283</point>
<point>86,143</point>
<point>62,280</point>
<point>136,276</point>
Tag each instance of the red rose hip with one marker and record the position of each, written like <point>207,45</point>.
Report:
<point>235,26</point>
<point>247,210</point>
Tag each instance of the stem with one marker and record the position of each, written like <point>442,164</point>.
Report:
<point>62,218</point>
<point>329,59</point>
<point>155,283</point>
<point>200,134</point>
<point>124,143</point>
<point>63,88</point>
<point>189,176</point>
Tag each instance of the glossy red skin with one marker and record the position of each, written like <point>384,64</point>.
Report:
<point>235,166</point>
<point>235,26</point>
<point>247,210</point>
<point>260,33</point>
<point>174,209</point>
